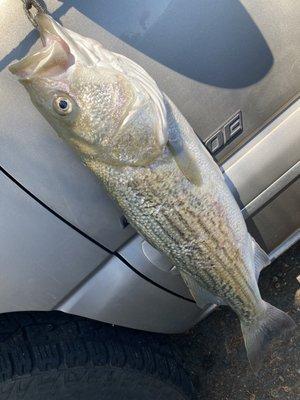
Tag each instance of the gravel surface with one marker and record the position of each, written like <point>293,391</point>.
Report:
<point>214,350</point>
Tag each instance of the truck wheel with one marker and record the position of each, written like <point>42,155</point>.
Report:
<point>55,356</point>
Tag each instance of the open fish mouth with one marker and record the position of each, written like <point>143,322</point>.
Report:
<point>61,49</point>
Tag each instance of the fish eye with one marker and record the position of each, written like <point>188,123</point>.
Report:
<point>62,105</point>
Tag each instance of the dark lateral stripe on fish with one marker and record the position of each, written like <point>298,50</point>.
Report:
<point>234,278</point>
<point>206,276</point>
<point>164,232</point>
<point>234,282</point>
<point>235,267</point>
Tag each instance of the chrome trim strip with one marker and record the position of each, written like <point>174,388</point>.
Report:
<point>207,312</point>
<point>267,163</point>
<point>289,242</point>
<point>272,190</point>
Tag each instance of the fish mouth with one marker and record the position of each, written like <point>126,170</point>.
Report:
<point>59,52</point>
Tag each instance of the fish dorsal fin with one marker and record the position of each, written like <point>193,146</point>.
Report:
<point>185,159</point>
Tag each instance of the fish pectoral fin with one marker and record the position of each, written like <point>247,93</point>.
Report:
<point>185,160</point>
<point>201,296</point>
<point>261,258</point>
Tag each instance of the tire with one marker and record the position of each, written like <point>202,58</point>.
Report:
<point>55,356</point>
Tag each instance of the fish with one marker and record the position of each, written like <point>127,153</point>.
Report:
<point>151,162</point>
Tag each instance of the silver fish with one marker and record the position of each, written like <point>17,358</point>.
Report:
<point>134,139</point>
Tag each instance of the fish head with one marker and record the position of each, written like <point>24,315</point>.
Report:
<point>103,104</point>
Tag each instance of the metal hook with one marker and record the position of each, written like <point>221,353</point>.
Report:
<point>39,5</point>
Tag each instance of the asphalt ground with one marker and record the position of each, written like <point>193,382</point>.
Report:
<point>214,351</point>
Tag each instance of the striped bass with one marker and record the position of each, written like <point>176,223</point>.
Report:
<point>134,139</point>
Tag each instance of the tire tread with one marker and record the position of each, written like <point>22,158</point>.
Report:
<point>32,343</point>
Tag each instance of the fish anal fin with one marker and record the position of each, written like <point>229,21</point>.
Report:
<point>261,258</point>
<point>201,296</point>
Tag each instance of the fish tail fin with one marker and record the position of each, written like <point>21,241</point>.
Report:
<point>259,334</point>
